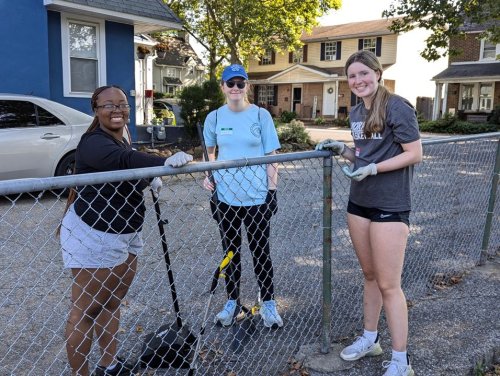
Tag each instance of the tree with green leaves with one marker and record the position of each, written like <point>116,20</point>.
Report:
<point>445,19</point>
<point>236,30</point>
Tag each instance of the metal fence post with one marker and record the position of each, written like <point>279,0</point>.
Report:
<point>327,255</point>
<point>491,206</point>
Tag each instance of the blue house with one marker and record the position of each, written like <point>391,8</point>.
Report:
<point>64,49</point>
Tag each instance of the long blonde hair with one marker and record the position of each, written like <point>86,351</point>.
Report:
<point>92,127</point>
<point>375,119</point>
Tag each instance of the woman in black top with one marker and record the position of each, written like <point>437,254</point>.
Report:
<point>101,233</point>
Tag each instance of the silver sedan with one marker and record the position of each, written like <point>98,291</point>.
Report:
<point>38,137</point>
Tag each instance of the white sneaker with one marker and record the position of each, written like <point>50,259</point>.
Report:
<point>270,315</point>
<point>395,368</point>
<point>226,316</point>
<point>360,348</point>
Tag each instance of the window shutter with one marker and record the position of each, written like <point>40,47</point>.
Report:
<point>304,53</point>
<point>275,99</point>
<point>322,57</point>
<point>360,44</point>
<point>256,95</point>
<point>260,61</point>
<point>290,57</point>
<point>273,57</point>
<point>339,50</point>
<point>378,48</point>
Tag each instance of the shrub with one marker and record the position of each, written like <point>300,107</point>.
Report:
<point>456,126</point>
<point>344,123</point>
<point>319,121</point>
<point>495,116</point>
<point>288,116</point>
<point>196,102</point>
<point>293,132</point>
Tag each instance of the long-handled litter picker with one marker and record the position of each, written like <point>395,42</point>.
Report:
<point>219,273</point>
<point>170,345</point>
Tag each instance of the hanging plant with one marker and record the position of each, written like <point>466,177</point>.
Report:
<point>161,50</point>
<point>142,52</point>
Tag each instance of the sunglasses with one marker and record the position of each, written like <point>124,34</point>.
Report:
<point>239,84</point>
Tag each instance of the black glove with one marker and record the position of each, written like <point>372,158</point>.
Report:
<point>272,203</point>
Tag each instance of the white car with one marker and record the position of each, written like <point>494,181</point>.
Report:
<point>38,137</point>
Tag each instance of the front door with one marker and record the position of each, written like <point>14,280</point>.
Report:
<point>297,98</point>
<point>329,99</point>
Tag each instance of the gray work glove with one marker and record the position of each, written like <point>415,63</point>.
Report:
<point>333,145</point>
<point>178,159</point>
<point>156,186</point>
<point>361,172</point>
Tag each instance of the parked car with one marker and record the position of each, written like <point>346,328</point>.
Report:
<point>38,137</point>
<point>169,113</point>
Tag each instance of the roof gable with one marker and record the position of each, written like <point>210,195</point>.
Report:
<point>350,30</point>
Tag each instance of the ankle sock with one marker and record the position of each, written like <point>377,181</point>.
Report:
<point>400,357</point>
<point>370,336</point>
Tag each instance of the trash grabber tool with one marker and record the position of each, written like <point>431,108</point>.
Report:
<point>219,273</point>
<point>171,344</point>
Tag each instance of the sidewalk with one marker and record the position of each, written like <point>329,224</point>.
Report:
<point>319,133</point>
<point>451,332</point>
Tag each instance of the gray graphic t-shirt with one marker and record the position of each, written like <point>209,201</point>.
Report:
<point>389,191</point>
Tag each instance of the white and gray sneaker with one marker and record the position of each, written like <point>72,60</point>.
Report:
<point>270,315</point>
<point>395,368</point>
<point>226,316</point>
<point>360,348</point>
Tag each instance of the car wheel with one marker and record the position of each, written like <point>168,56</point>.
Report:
<point>65,167</point>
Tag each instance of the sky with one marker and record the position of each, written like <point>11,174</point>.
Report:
<point>356,10</point>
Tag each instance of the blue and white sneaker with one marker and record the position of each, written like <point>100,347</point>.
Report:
<point>270,315</point>
<point>227,315</point>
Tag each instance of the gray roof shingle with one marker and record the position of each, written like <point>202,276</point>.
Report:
<point>155,9</point>
<point>465,71</point>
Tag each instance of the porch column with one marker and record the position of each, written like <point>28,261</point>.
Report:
<point>437,101</point>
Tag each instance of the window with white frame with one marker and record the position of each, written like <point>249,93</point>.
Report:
<point>83,56</point>
<point>171,89</point>
<point>488,50</point>
<point>172,72</point>
<point>298,55</point>
<point>267,58</point>
<point>266,94</point>
<point>370,44</point>
<point>467,97</point>
<point>330,50</point>
<point>485,97</point>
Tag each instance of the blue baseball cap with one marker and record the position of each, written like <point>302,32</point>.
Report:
<point>234,70</point>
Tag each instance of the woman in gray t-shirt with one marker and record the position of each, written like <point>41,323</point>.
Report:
<point>386,146</point>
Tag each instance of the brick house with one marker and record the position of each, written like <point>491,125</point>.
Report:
<point>470,85</point>
<point>311,81</point>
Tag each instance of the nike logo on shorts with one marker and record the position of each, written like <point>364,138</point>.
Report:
<point>382,216</point>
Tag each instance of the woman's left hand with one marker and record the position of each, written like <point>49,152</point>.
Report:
<point>361,172</point>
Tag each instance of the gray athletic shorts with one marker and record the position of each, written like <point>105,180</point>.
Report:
<point>85,247</point>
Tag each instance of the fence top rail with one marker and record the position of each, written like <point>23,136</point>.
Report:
<point>16,186</point>
<point>446,140</point>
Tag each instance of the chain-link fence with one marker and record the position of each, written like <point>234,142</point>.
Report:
<point>451,192</point>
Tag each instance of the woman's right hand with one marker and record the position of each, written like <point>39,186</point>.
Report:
<point>207,184</point>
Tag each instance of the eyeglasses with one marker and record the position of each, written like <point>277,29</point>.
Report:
<point>112,107</point>
<point>239,84</point>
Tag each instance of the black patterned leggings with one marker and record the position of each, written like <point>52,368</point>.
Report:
<point>256,221</point>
